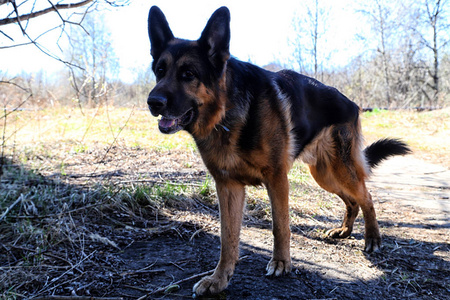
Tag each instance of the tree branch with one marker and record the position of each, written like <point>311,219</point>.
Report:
<point>54,7</point>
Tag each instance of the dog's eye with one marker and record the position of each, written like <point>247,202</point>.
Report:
<point>160,72</point>
<point>188,75</point>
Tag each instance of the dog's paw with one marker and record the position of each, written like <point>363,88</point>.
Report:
<point>278,267</point>
<point>341,232</point>
<point>372,244</point>
<point>210,285</point>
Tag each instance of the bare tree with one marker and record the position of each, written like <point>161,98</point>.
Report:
<point>20,13</point>
<point>17,29</point>
<point>314,17</point>
<point>310,29</point>
<point>382,16</point>
<point>435,16</point>
<point>94,53</point>
<point>297,42</point>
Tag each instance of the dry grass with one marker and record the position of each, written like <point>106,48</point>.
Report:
<point>67,129</point>
<point>428,133</point>
<point>70,130</point>
<point>76,188</point>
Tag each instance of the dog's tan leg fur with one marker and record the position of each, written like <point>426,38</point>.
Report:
<point>231,204</point>
<point>343,172</point>
<point>352,209</point>
<point>354,193</point>
<point>278,189</point>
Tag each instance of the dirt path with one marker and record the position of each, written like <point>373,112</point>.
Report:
<point>135,248</point>
<point>411,182</point>
<point>412,200</point>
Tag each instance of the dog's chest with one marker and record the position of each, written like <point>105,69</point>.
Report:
<point>225,161</point>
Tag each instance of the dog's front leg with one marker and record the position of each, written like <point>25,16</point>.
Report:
<point>231,205</point>
<point>278,189</point>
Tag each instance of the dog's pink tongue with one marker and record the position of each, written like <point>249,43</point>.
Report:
<point>166,123</point>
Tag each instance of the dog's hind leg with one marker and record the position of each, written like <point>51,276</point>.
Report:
<point>354,193</point>
<point>231,205</point>
<point>342,170</point>
<point>352,209</point>
<point>355,197</point>
<point>278,190</point>
<point>363,198</point>
<point>372,232</point>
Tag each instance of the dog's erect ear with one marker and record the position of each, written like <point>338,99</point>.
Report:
<point>215,38</point>
<point>158,31</point>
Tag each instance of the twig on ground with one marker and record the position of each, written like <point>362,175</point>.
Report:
<point>139,272</point>
<point>160,290</point>
<point>56,297</point>
<point>90,124</point>
<point>11,207</point>
<point>159,181</point>
<point>135,288</point>
<point>380,262</point>
<point>63,274</point>
<point>43,253</point>
<point>116,137</point>
<point>195,234</point>
<point>174,264</point>
<point>59,214</point>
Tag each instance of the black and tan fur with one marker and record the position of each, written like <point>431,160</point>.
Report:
<point>250,125</point>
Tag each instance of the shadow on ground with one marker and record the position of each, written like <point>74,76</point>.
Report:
<point>69,236</point>
<point>399,270</point>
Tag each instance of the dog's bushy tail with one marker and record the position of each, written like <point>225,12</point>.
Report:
<point>383,149</point>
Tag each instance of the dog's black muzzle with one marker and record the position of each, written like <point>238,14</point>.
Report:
<point>171,121</point>
<point>157,104</point>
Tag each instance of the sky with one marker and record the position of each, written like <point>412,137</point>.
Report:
<point>260,33</point>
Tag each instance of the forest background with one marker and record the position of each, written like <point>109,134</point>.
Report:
<point>398,59</point>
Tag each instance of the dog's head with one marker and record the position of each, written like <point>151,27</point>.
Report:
<point>190,75</point>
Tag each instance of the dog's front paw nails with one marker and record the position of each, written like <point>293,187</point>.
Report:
<point>341,232</point>
<point>372,244</point>
<point>210,285</point>
<point>278,267</point>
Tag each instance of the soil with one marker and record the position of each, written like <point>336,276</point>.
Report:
<point>163,257</point>
<point>414,263</point>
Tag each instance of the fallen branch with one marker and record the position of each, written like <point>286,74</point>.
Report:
<point>160,290</point>
<point>60,213</point>
<point>155,181</point>
<point>11,207</point>
<point>116,137</point>
<point>56,297</point>
<point>48,284</point>
<point>42,253</point>
<point>140,272</point>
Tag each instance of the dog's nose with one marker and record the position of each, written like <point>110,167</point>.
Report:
<point>156,104</point>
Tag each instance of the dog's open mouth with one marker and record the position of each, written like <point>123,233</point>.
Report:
<point>169,125</point>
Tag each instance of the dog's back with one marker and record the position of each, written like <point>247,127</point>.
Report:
<point>314,106</point>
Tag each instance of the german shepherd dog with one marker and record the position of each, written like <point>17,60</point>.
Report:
<point>249,125</point>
